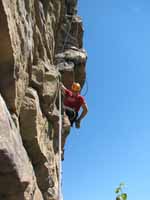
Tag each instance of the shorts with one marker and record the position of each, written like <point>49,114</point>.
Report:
<point>72,114</point>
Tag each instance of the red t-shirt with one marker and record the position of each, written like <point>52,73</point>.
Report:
<point>72,101</point>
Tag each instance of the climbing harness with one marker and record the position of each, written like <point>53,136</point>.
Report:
<point>71,110</point>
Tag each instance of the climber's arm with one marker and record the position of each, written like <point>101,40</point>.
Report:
<point>63,88</point>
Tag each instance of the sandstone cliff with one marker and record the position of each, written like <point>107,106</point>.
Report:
<point>40,43</point>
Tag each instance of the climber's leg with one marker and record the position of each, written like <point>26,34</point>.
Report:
<point>72,115</point>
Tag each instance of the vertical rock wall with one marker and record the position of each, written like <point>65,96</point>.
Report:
<point>40,43</point>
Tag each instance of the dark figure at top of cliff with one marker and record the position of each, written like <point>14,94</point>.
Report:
<point>73,101</point>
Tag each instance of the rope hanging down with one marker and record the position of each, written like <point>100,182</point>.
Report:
<point>87,88</point>
<point>60,196</point>
<point>60,165</point>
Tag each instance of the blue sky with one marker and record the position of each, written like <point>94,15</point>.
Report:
<point>113,143</point>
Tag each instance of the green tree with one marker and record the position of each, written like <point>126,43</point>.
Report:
<point>120,194</point>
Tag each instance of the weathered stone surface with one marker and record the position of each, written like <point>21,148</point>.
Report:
<point>71,64</point>
<point>71,7</point>
<point>74,55</point>
<point>33,127</point>
<point>6,59</point>
<point>40,42</point>
<point>50,87</point>
<point>37,76</point>
<point>28,31</point>
<point>31,123</point>
<point>45,78</point>
<point>17,179</point>
<point>19,35</point>
<point>70,34</point>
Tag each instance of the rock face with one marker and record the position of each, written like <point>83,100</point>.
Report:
<point>40,44</point>
<point>17,178</point>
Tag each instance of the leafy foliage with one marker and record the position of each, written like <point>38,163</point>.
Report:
<point>119,192</point>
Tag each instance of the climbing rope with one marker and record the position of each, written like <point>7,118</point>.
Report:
<point>87,88</point>
<point>60,196</point>
<point>60,152</point>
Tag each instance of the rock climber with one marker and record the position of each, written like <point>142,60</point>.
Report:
<point>73,101</point>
